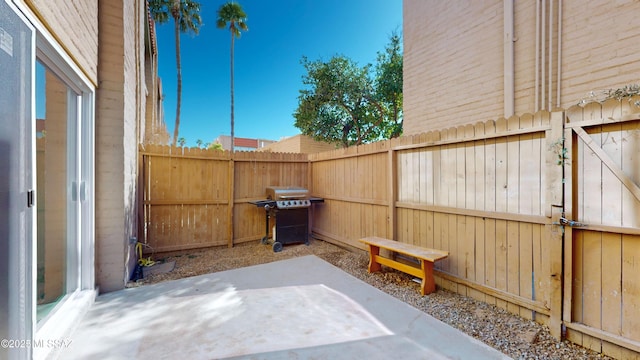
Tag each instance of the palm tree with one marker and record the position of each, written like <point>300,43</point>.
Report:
<point>186,18</point>
<point>232,14</point>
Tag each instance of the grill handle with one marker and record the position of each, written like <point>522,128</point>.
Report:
<point>287,197</point>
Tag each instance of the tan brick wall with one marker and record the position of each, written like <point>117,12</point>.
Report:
<point>525,56</point>
<point>110,244</point>
<point>120,108</point>
<point>454,64</point>
<point>601,46</point>
<point>134,110</point>
<point>153,129</point>
<point>75,25</point>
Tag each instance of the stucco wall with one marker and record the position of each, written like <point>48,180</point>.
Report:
<point>75,25</point>
<point>454,57</point>
<point>298,144</point>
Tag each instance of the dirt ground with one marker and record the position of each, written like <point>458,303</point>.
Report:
<point>514,336</point>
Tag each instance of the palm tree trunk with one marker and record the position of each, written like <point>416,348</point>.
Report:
<point>232,98</point>
<point>179,68</point>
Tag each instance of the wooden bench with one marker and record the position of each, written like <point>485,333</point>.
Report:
<point>426,257</point>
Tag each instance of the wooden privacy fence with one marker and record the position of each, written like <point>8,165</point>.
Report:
<point>494,194</point>
<point>602,259</point>
<point>499,196</point>
<point>194,198</point>
<point>477,191</point>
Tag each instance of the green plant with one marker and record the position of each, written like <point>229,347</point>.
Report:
<point>215,146</point>
<point>625,92</point>
<point>561,152</point>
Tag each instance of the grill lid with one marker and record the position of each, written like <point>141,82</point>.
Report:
<point>287,193</point>
<point>288,197</point>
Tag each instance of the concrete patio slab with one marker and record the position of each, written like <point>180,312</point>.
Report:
<point>300,308</point>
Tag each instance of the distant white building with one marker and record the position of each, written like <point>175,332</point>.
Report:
<point>242,144</point>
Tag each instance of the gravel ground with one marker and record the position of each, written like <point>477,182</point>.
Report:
<point>514,336</point>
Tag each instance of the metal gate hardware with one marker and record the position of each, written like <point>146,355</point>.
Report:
<point>566,222</point>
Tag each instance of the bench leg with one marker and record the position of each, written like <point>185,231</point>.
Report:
<point>428,283</point>
<point>373,264</point>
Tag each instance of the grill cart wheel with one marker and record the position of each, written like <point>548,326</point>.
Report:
<point>265,240</point>
<point>277,247</point>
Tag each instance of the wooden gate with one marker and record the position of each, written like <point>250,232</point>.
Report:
<point>601,301</point>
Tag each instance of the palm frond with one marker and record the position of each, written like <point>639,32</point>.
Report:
<point>232,15</point>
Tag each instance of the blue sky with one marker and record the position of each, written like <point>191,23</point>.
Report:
<point>268,73</point>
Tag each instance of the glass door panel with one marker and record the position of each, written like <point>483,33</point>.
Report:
<point>57,179</point>
<point>16,182</point>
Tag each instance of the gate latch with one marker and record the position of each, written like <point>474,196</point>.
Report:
<point>566,222</point>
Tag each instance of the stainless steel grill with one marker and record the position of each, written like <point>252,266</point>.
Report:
<point>289,206</point>
<point>288,197</point>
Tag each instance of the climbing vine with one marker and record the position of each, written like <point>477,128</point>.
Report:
<point>625,92</point>
<point>561,152</point>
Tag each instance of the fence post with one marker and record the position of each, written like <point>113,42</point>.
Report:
<point>554,209</point>
<point>231,198</point>
<point>392,190</point>
<point>141,192</point>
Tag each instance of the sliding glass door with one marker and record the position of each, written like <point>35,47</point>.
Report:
<point>46,186</point>
<point>57,163</point>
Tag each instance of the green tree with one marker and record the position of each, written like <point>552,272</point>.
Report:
<point>339,103</point>
<point>232,15</point>
<point>199,143</point>
<point>182,141</point>
<point>186,18</point>
<point>389,83</point>
<point>215,146</point>
<point>350,105</point>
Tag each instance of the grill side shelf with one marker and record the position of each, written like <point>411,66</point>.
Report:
<point>262,203</point>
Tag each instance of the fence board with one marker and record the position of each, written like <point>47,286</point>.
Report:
<point>513,167</point>
<point>540,274</point>
<point>501,259</point>
<point>578,265</point>
<point>490,255</point>
<point>611,283</point>
<point>592,277</point>
<point>526,268</point>
<point>501,167</point>
<point>629,149</point>
<point>513,262</point>
<point>630,287</point>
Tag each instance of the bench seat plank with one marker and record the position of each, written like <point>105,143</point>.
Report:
<point>407,249</point>
<point>426,257</point>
